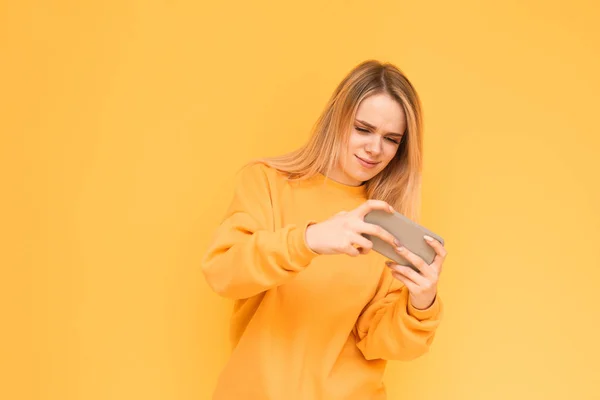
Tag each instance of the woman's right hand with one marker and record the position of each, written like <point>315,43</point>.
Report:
<point>342,233</point>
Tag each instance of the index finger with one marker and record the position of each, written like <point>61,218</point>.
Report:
<point>371,205</point>
<point>376,230</point>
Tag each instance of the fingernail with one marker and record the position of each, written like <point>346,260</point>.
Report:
<point>401,248</point>
<point>392,209</point>
<point>428,238</point>
<point>397,242</point>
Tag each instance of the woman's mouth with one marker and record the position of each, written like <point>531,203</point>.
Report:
<point>366,163</point>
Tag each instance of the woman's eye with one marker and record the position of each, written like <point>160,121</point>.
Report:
<point>395,141</point>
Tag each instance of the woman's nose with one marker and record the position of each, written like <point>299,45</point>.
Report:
<point>374,146</point>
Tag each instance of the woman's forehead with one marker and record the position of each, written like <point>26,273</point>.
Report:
<point>382,112</point>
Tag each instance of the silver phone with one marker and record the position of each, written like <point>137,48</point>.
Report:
<point>409,234</point>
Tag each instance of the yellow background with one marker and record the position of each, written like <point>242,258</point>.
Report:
<point>123,123</point>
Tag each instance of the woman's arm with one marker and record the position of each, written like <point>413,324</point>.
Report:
<point>247,255</point>
<point>391,328</point>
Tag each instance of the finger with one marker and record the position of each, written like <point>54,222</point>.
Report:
<point>376,230</point>
<point>414,259</point>
<point>412,287</point>
<point>427,270</point>
<point>440,252</point>
<point>362,242</point>
<point>409,273</point>
<point>371,205</point>
<point>397,273</point>
<point>437,265</point>
<point>351,251</point>
<point>436,245</point>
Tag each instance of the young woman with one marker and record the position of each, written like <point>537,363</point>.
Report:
<point>316,313</point>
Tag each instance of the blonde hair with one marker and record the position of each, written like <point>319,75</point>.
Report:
<point>399,183</point>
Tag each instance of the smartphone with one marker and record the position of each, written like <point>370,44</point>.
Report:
<point>409,234</point>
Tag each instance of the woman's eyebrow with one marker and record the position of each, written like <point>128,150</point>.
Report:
<point>373,127</point>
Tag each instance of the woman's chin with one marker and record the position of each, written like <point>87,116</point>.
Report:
<point>361,177</point>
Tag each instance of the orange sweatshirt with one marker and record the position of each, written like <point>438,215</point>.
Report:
<point>306,326</point>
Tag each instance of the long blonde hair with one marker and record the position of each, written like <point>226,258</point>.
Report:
<point>399,184</point>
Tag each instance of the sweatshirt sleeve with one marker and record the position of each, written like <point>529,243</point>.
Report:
<point>247,254</point>
<point>390,328</point>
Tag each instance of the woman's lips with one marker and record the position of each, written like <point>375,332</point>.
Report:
<point>365,163</point>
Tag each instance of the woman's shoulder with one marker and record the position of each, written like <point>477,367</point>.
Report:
<point>256,168</point>
<point>259,172</point>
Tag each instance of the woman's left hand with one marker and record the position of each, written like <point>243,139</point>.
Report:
<point>422,286</point>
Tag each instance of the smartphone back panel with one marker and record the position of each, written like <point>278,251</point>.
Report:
<point>409,233</point>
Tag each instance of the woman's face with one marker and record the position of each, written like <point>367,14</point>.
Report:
<point>374,139</point>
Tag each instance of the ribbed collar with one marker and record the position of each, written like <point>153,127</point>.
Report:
<point>319,178</point>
